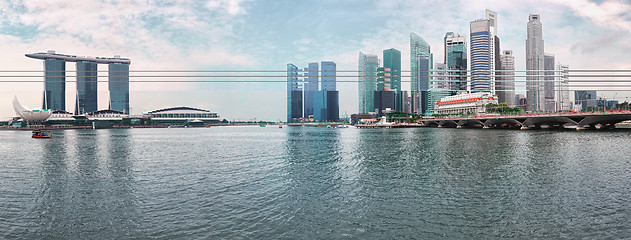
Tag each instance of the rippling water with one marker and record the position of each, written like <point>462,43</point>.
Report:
<point>304,182</point>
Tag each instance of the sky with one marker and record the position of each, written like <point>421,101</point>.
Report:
<point>266,35</point>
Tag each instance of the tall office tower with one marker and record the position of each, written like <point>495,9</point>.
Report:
<point>507,93</point>
<point>384,96</point>
<point>482,53</point>
<point>423,83</point>
<point>548,84</point>
<point>86,87</point>
<point>310,86</point>
<point>452,39</point>
<point>54,84</point>
<point>367,81</point>
<point>534,64</point>
<point>495,47</point>
<point>563,86</point>
<point>440,86</point>
<point>118,84</point>
<point>328,76</point>
<point>326,101</point>
<point>497,66</point>
<point>294,94</point>
<point>392,60</point>
<point>419,53</point>
<point>457,65</point>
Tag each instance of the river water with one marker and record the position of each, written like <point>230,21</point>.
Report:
<point>307,182</point>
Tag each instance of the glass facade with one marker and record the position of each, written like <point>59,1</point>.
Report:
<point>118,84</point>
<point>418,45</point>
<point>423,82</point>
<point>507,94</point>
<point>294,94</point>
<point>535,97</point>
<point>392,60</point>
<point>367,81</point>
<point>328,76</point>
<point>457,64</point>
<point>481,56</point>
<point>548,85</point>
<point>54,84</point>
<point>86,87</point>
<point>310,86</point>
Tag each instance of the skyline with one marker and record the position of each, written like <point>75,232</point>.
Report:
<point>249,35</point>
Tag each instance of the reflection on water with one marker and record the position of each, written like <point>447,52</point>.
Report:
<point>252,182</point>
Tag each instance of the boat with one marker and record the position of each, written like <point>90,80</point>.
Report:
<point>262,125</point>
<point>41,134</point>
<point>280,125</point>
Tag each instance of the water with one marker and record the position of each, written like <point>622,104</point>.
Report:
<point>305,182</point>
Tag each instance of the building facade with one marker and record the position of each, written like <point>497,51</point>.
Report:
<point>482,53</point>
<point>87,91</point>
<point>457,66</point>
<point>549,67</point>
<point>534,64</point>
<point>585,99</point>
<point>310,86</point>
<point>465,104</point>
<point>118,85</point>
<point>420,53</point>
<point>54,84</point>
<point>367,81</point>
<point>507,82</point>
<point>452,39</point>
<point>563,86</point>
<point>294,94</point>
<point>392,60</point>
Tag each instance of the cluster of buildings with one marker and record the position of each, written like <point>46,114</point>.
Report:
<point>86,109</point>
<point>473,73</point>
<point>312,94</point>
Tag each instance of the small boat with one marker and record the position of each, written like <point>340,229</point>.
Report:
<point>262,125</point>
<point>41,134</point>
<point>280,125</point>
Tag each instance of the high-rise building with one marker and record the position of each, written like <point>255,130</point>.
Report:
<point>423,84</point>
<point>482,52</point>
<point>491,16</point>
<point>563,86</point>
<point>86,87</point>
<point>367,81</point>
<point>328,78</point>
<point>549,66</point>
<point>54,84</point>
<point>326,101</point>
<point>534,64</point>
<point>457,65</point>
<point>507,82</point>
<point>118,84</point>
<point>86,95</point>
<point>439,87</point>
<point>310,86</point>
<point>419,48</point>
<point>392,60</point>
<point>294,94</point>
<point>452,39</point>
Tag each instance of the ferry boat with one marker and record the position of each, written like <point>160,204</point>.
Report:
<point>41,134</point>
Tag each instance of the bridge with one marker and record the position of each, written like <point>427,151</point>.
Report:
<point>581,120</point>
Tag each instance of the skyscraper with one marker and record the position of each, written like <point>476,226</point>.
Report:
<point>367,69</point>
<point>326,101</point>
<point>507,91</point>
<point>482,53</point>
<point>534,64</point>
<point>563,86</point>
<point>86,87</point>
<point>457,64</point>
<point>310,86</point>
<point>419,54</point>
<point>491,16</point>
<point>54,84</point>
<point>118,84</point>
<point>392,60</point>
<point>452,39</point>
<point>294,94</point>
<point>548,86</point>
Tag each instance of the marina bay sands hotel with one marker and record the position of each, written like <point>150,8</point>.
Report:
<point>87,74</point>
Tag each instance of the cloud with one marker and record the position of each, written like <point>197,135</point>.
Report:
<point>612,14</point>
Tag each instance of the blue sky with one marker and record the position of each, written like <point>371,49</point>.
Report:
<point>266,35</point>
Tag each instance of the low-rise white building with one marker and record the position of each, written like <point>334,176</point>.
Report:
<point>463,104</point>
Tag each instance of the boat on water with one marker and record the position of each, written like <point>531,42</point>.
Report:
<point>280,125</point>
<point>41,134</point>
<point>262,125</point>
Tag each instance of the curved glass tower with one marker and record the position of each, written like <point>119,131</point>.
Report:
<point>54,84</point>
<point>118,84</point>
<point>367,79</point>
<point>86,87</point>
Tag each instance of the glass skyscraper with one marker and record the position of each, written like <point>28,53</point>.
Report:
<point>54,84</point>
<point>118,84</point>
<point>294,94</point>
<point>328,76</point>
<point>310,86</point>
<point>481,56</point>
<point>549,66</point>
<point>420,54</point>
<point>86,87</point>
<point>392,60</point>
<point>457,64</point>
<point>367,81</point>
